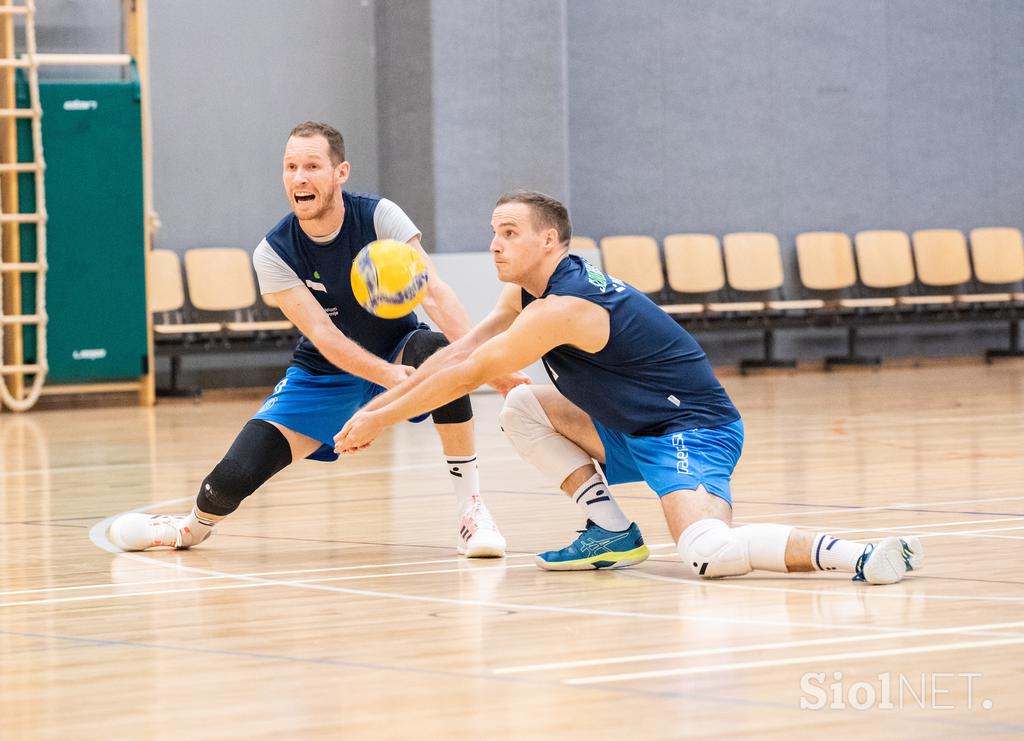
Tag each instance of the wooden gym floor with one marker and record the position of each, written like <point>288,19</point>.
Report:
<point>333,604</point>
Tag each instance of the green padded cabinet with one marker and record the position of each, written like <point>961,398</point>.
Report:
<point>96,284</point>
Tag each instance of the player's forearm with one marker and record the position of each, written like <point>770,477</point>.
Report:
<point>432,391</point>
<point>350,357</point>
<point>446,311</point>
<point>443,358</point>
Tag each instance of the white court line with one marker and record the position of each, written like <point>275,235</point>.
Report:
<point>347,472</point>
<point>893,507</point>
<point>970,532</point>
<point>912,530</point>
<point>260,583</point>
<point>874,593</point>
<point>916,526</point>
<point>637,658</point>
<point>97,535</point>
<point>715,584</point>
<point>819,659</point>
<point>287,572</point>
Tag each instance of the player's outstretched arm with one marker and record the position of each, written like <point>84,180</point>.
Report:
<point>305,313</point>
<point>500,319</point>
<point>543,325</point>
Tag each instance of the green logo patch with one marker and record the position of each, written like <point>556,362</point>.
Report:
<point>316,274</point>
<point>595,277</point>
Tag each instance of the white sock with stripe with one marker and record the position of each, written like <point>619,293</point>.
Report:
<point>196,526</point>
<point>597,503</point>
<point>465,479</point>
<point>829,553</point>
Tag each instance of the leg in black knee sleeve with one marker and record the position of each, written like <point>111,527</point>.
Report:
<point>259,451</point>
<point>421,346</point>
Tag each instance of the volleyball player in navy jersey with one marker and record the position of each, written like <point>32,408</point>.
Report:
<point>631,390</point>
<point>344,358</point>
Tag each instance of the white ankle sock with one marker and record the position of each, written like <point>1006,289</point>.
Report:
<point>832,554</point>
<point>195,527</point>
<point>597,503</point>
<point>465,479</point>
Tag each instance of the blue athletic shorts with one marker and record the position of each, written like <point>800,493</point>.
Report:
<point>319,406</point>
<point>679,460</point>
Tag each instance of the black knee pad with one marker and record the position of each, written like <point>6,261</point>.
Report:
<point>421,346</point>
<point>259,451</point>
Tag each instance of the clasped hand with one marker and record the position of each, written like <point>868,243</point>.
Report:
<point>361,430</point>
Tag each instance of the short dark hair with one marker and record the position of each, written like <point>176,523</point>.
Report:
<point>548,212</point>
<point>335,142</point>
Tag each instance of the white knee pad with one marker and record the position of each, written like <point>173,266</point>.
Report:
<point>713,549</point>
<point>535,439</point>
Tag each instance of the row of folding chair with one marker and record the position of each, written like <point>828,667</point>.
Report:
<point>219,311</point>
<point>928,275</point>
<point>877,269</point>
<point>220,282</point>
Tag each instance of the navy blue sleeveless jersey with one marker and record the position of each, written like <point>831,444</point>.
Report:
<point>651,379</point>
<point>325,269</point>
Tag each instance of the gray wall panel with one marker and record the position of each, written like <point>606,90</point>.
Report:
<point>615,116</point>
<point>720,120</point>
<point>831,152</point>
<point>789,115</point>
<point>940,93</point>
<point>405,108</point>
<point>499,123</point>
<point>229,81</point>
<point>468,114</point>
<point>1008,114</point>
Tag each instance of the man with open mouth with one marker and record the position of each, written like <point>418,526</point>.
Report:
<point>345,356</point>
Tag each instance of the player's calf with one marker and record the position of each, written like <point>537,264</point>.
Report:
<point>259,452</point>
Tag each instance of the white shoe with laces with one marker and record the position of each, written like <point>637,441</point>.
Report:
<point>882,563</point>
<point>137,531</point>
<point>478,535</point>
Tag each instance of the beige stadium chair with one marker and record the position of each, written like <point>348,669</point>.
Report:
<point>940,258</point>
<point>635,260</point>
<point>220,279</point>
<point>753,263</point>
<point>171,333</point>
<point>826,263</point>
<point>694,266</point>
<point>885,264</point>
<point>998,256</point>
<point>586,248</point>
<point>167,297</point>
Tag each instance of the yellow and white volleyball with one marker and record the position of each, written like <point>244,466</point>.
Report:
<point>389,278</point>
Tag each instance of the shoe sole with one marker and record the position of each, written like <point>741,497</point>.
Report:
<point>886,564</point>
<point>610,560</point>
<point>494,549</point>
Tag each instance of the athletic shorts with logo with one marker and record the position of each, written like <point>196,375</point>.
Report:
<point>318,406</point>
<point>676,461</point>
